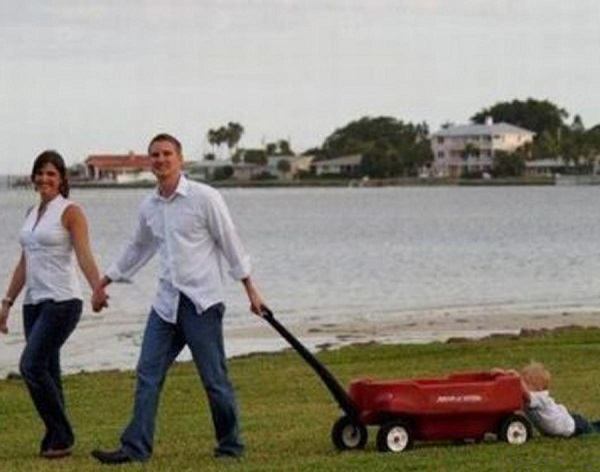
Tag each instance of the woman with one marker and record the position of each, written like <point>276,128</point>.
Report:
<point>54,231</point>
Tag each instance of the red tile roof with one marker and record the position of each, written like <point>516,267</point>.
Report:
<point>119,161</point>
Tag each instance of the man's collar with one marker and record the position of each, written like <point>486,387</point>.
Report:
<point>182,189</point>
<point>183,186</point>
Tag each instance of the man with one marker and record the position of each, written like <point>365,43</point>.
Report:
<point>189,225</point>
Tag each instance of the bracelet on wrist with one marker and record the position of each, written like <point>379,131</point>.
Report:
<point>7,300</point>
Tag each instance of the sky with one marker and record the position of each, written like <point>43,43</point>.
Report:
<point>104,77</point>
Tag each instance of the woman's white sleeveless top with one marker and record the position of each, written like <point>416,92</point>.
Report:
<point>50,270</point>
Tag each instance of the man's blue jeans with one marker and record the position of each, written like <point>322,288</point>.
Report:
<point>47,326</point>
<point>203,333</point>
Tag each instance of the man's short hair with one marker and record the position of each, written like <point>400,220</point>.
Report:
<point>169,138</point>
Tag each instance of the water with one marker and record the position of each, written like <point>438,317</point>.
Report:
<point>330,254</point>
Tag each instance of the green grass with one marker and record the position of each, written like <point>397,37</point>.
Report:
<point>287,414</point>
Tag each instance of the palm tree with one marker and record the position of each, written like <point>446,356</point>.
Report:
<point>230,135</point>
<point>234,134</point>
<point>284,147</point>
<point>212,137</point>
<point>271,149</point>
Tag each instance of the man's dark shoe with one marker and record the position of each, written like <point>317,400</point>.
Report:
<point>56,453</point>
<point>111,457</point>
<point>227,455</point>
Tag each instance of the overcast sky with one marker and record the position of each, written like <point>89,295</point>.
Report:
<point>87,77</point>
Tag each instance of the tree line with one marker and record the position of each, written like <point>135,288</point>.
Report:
<point>555,135</point>
<point>391,147</point>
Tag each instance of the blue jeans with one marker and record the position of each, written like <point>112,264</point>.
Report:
<point>47,326</point>
<point>203,333</point>
<point>584,426</point>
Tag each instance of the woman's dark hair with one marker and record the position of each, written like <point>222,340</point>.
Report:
<point>54,158</point>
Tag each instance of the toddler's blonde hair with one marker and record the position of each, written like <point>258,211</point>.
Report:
<point>536,376</point>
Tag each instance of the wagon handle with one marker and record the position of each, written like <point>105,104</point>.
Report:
<point>334,387</point>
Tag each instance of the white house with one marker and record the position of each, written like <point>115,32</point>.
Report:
<point>205,170</point>
<point>120,168</point>
<point>297,164</point>
<point>471,148</point>
<point>247,171</point>
<point>548,167</point>
<point>345,165</point>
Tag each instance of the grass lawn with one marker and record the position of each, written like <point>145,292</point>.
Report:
<point>287,414</point>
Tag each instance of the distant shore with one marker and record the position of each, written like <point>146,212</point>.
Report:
<point>332,182</point>
<point>341,182</point>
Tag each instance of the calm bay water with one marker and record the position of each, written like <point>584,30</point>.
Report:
<point>356,253</point>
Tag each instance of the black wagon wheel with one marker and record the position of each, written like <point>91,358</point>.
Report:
<point>395,436</point>
<point>348,434</point>
<point>515,429</point>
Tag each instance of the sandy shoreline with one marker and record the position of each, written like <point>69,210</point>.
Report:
<point>103,344</point>
<point>421,328</point>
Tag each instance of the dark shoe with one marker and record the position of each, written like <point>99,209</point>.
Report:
<point>227,455</point>
<point>111,457</point>
<point>51,453</point>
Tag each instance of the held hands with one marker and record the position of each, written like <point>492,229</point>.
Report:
<point>99,298</point>
<point>4,310</point>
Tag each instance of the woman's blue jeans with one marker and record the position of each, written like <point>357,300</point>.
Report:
<point>47,326</point>
<point>203,334</point>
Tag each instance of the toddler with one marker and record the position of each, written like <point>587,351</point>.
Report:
<point>549,417</point>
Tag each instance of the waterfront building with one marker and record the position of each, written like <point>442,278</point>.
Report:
<point>297,164</point>
<point>348,166</point>
<point>119,168</point>
<point>205,170</point>
<point>463,149</point>
<point>248,171</point>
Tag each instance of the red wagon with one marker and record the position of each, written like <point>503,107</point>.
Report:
<point>456,407</point>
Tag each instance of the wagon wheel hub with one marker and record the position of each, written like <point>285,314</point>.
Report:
<point>517,433</point>
<point>397,439</point>
<point>351,436</point>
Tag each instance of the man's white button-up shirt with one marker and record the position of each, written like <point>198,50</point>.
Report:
<point>192,232</point>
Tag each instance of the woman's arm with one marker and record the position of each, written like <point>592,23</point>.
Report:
<point>76,224</point>
<point>14,289</point>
